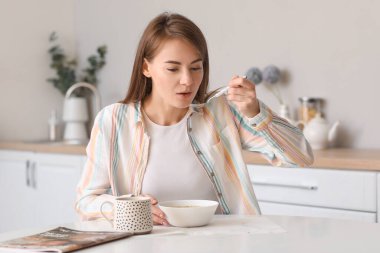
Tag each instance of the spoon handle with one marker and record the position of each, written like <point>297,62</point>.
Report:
<point>222,90</point>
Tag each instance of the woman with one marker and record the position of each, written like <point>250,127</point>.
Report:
<point>166,141</point>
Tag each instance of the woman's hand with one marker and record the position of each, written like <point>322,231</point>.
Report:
<point>242,93</point>
<point>159,217</point>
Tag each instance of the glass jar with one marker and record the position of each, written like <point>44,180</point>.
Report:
<point>309,108</point>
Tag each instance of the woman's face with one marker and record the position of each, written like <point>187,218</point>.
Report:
<point>176,72</point>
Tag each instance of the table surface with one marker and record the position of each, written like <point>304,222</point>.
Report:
<point>243,234</point>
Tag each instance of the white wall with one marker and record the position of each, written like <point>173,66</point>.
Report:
<point>26,98</point>
<point>327,48</point>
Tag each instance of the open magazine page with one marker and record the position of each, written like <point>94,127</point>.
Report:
<point>60,239</point>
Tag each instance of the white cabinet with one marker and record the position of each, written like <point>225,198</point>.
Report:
<point>316,192</point>
<point>56,177</point>
<point>37,189</point>
<point>378,197</point>
<point>15,185</point>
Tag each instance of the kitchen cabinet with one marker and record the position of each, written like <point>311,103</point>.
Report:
<point>316,192</point>
<point>37,189</point>
<point>15,186</point>
<point>378,197</point>
<point>270,208</point>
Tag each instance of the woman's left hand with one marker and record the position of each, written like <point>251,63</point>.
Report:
<point>242,93</point>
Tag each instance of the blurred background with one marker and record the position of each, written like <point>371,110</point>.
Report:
<point>326,49</point>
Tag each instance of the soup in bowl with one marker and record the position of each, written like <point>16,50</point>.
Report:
<point>188,213</point>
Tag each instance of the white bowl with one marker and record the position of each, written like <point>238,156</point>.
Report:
<point>188,213</point>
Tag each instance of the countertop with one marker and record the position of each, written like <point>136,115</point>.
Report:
<point>356,159</point>
<point>339,158</point>
<point>233,233</point>
<point>44,147</point>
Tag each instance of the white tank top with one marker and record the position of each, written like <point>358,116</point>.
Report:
<point>173,171</point>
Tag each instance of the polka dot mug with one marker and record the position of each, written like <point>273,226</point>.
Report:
<point>130,214</point>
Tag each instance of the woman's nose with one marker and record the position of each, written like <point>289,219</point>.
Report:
<point>186,78</point>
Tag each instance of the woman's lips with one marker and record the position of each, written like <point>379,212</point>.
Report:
<point>184,94</point>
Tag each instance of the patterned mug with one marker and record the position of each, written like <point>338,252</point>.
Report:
<point>130,214</point>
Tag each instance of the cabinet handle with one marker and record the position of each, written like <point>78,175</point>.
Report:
<point>304,186</point>
<point>27,175</point>
<point>34,181</point>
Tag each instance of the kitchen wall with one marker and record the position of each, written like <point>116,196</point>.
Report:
<point>325,49</point>
<point>26,99</point>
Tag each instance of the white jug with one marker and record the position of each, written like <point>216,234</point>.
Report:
<point>318,132</point>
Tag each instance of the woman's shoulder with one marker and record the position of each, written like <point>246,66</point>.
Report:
<point>117,108</point>
<point>114,112</point>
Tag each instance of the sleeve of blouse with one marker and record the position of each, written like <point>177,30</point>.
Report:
<point>281,143</point>
<point>94,186</point>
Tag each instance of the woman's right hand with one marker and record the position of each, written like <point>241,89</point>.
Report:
<point>159,217</point>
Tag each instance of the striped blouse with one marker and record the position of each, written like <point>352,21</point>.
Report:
<point>118,151</point>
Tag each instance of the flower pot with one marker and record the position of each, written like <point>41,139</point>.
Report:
<point>75,116</point>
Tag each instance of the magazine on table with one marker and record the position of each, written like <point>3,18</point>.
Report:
<point>60,239</point>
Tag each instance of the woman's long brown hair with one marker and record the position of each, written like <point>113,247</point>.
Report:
<point>160,29</point>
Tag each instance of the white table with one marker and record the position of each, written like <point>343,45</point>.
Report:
<point>244,234</point>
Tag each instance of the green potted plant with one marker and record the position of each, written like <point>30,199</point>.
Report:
<point>66,68</point>
<point>75,112</point>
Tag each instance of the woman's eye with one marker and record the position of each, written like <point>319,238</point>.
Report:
<point>195,69</point>
<point>172,70</point>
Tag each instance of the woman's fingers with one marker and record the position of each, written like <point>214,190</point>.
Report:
<point>158,212</point>
<point>239,85</point>
<point>237,81</point>
<point>242,93</point>
<point>239,98</point>
<point>159,217</point>
<point>153,200</point>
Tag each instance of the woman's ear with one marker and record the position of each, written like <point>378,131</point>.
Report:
<point>146,68</point>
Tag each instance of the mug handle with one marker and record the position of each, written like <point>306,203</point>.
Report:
<point>101,211</point>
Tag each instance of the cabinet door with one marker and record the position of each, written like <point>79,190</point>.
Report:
<point>337,189</point>
<point>15,183</point>
<point>378,197</point>
<point>56,178</point>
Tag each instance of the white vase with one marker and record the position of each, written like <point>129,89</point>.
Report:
<point>75,116</point>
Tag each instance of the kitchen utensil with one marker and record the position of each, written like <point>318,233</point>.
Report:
<point>220,91</point>
<point>318,132</point>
